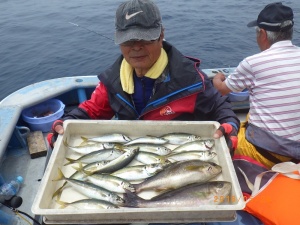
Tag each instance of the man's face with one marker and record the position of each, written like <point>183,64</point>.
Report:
<point>141,55</point>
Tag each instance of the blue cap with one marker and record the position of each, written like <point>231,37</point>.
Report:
<point>20,179</point>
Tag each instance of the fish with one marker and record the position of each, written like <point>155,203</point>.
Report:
<point>180,138</point>
<point>120,162</point>
<point>147,140</point>
<point>88,147</point>
<point>111,183</point>
<point>149,158</point>
<point>190,155</point>
<point>91,167</point>
<point>80,174</point>
<point>179,174</point>
<point>202,145</point>
<point>96,156</point>
<point>152,148</point>
<point>139,172</point>
<point>192,195</point>
<point>109,138</point>
<point>92,190</point>
<point>88,204</point>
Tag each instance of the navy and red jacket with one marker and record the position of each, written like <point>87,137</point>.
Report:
<point>186,93</point>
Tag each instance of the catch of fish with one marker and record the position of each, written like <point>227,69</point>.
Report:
<point>116,171</point>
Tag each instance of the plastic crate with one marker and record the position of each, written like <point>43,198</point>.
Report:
<point>74,129</point>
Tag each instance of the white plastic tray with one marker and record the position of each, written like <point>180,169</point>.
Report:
<point>46,206</point>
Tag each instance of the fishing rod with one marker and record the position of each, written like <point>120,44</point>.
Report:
<point>91,31</point>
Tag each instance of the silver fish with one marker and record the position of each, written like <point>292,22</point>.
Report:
<point>147,140</point>
<point>91,167</point>
<point>111,183</point>
<point>109,138</point>
<point>139,172</point>
<point>149,158</point>
<point>180,138</point>
<point>202,145</point>
<point>190,155</point>
<point>152,148</point>
<point>88,147</point>
<point>80,174</point>
<point>119,162</point>
<point>187,196</point>
<point>93,191</point>
<point>179,174</point>
<point>100,155</point>
<point>88,204</point>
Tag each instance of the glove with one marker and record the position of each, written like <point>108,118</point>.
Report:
<point>53,134</point>
<point>230,134</point>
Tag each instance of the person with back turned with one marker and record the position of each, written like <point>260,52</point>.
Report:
<point>152,80</point>
<point>272,133</point>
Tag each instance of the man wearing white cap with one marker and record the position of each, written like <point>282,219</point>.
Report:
<point>272,133</point>
<point>152,80</point>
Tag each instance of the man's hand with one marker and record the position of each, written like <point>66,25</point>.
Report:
<point>230,134</point>
<point>57,128</point>
<point>219,84</point>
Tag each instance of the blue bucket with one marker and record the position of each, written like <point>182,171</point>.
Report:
<point>239,96</point>
<point>41,117</point>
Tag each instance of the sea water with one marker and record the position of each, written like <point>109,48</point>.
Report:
<point>38,42</point>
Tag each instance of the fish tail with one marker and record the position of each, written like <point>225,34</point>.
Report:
<point>119,147</point>
<point>60,176</point>
<point>58,192</point>
<point>65,142</point>
<point>131,199</point>
<point>70,161</point>
<point>80,169</point>
<point>84,142</point>
<point>63,204</point>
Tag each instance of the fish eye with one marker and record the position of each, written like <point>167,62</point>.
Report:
<point>220,185</point>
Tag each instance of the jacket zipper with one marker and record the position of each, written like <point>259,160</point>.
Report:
<point>165,98</point>
<point>158,100</point>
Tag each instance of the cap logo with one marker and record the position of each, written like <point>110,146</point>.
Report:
<point>127,17</point>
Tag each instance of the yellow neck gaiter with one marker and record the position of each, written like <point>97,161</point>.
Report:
<point>126,71</point>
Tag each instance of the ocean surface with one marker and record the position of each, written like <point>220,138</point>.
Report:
<point>38,42</point>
